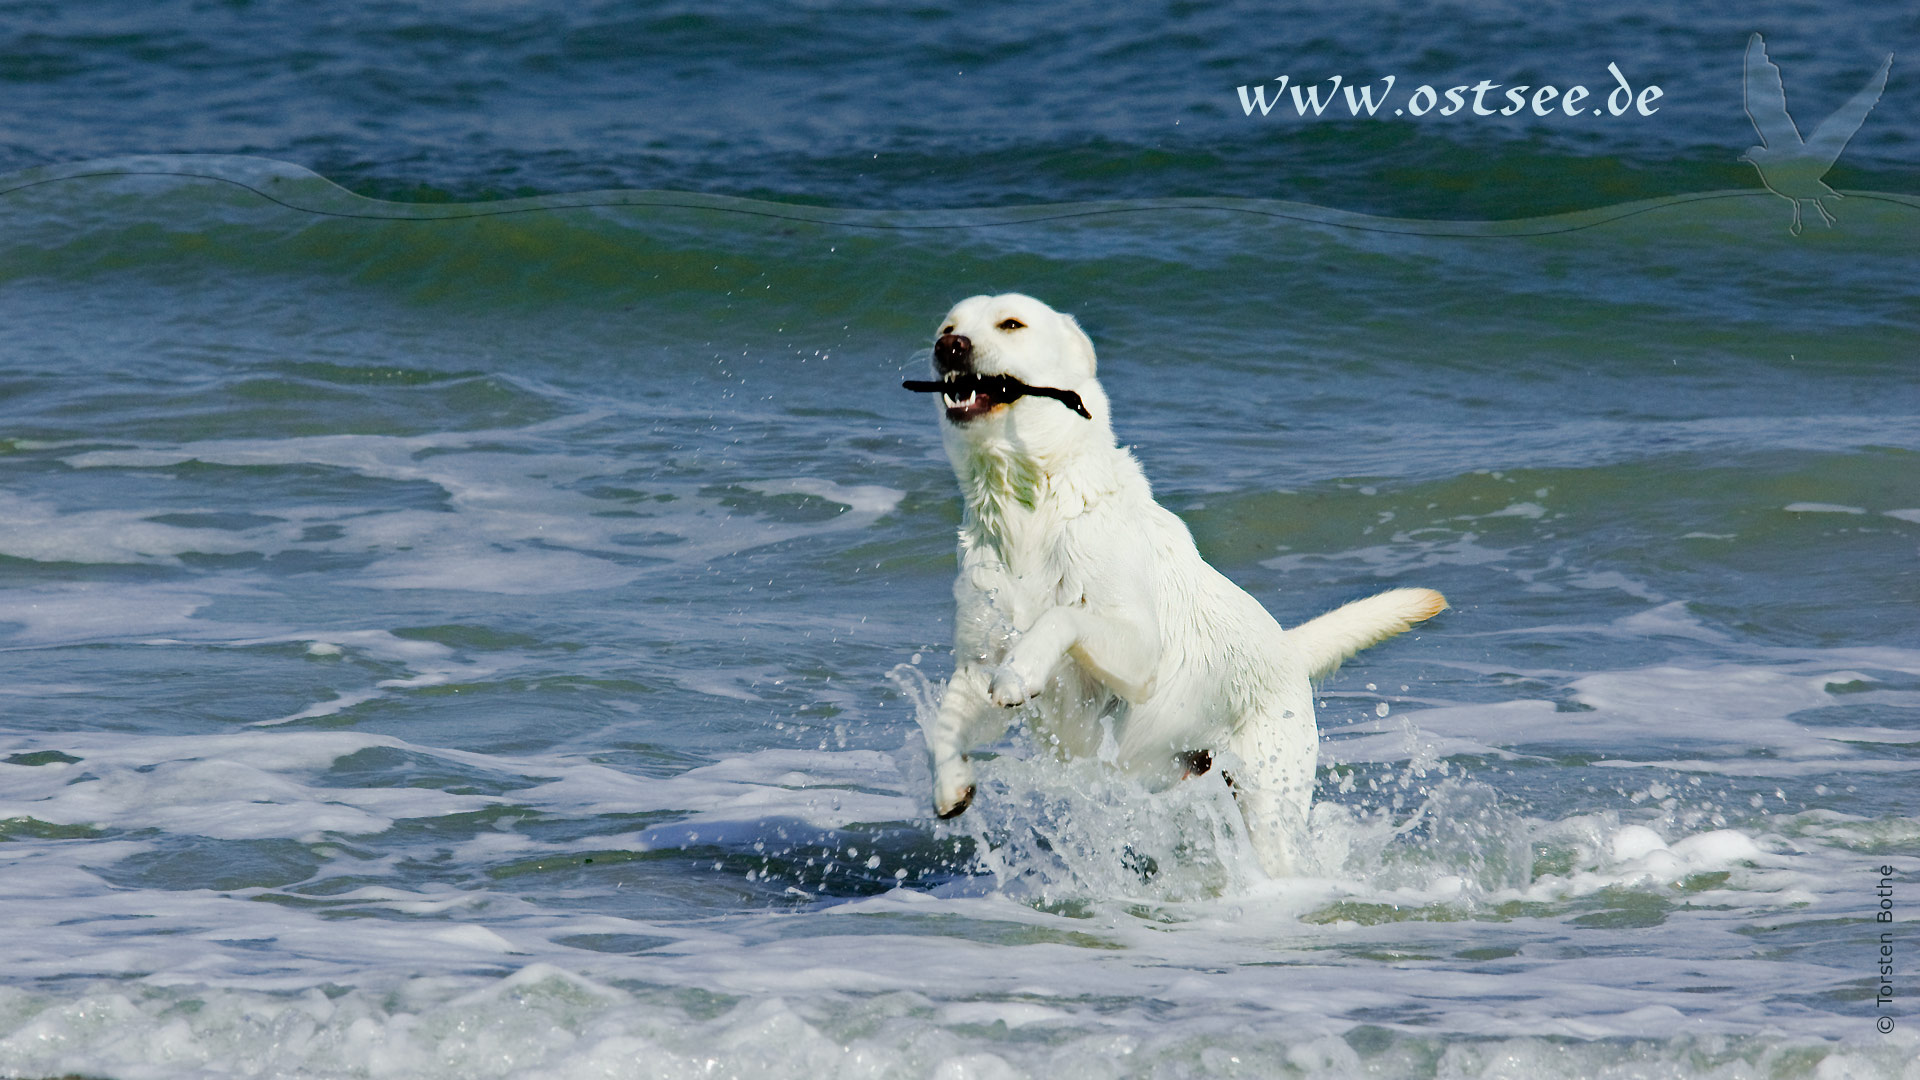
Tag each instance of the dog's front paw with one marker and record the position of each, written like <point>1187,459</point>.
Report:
<point>1011,687</point>
<point>952,787</point>
<point>958,806</point>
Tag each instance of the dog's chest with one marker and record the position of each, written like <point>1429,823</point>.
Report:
<point>1025,580</point>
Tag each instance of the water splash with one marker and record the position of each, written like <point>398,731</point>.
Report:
<point>1050,831</point>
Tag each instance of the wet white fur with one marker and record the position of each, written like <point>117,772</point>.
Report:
<point>1083,598</point>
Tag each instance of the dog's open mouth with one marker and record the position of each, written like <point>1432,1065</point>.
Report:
<point>969,395</point>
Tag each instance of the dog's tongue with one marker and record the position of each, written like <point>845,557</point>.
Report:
<point>997,387</point>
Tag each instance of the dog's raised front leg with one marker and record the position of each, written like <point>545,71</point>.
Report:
<point>1121,652</point>
<point>966,719</point>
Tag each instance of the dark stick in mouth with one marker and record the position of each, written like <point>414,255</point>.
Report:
<point>1001,388</point>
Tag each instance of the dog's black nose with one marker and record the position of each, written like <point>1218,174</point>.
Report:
<point>953,352</point>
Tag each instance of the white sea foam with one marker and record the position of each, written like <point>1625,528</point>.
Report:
<point>68,613</point>
<point>243,786</point>
<point>864,498</point>
<point>487,984</point>
<point>1653,707</point>
<point>479,568</point>
<point>516,525</point>
<point>1409,550</point>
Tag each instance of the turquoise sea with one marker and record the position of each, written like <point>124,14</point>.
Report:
<point>469,573</point>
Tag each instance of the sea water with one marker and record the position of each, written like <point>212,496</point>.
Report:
<point>486,638</point>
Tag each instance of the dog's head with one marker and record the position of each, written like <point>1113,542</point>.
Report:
<point>1010,360</point>
<point>1011,335</point>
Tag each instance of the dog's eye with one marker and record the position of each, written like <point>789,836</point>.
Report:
<point>1012,324</point>
<point>946,330</point>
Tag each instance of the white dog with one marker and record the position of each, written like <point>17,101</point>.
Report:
<point>1080,594</point>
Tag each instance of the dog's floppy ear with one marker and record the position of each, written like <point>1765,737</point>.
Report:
<point>1085,343</point>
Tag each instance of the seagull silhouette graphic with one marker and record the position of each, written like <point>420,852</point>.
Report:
<point>1789,166</point>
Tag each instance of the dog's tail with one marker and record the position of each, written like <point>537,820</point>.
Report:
<point>1326,642</point>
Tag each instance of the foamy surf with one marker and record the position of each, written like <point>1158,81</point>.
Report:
<point>458,646</point>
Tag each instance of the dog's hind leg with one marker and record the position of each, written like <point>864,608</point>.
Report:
<point>1273,781</point>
